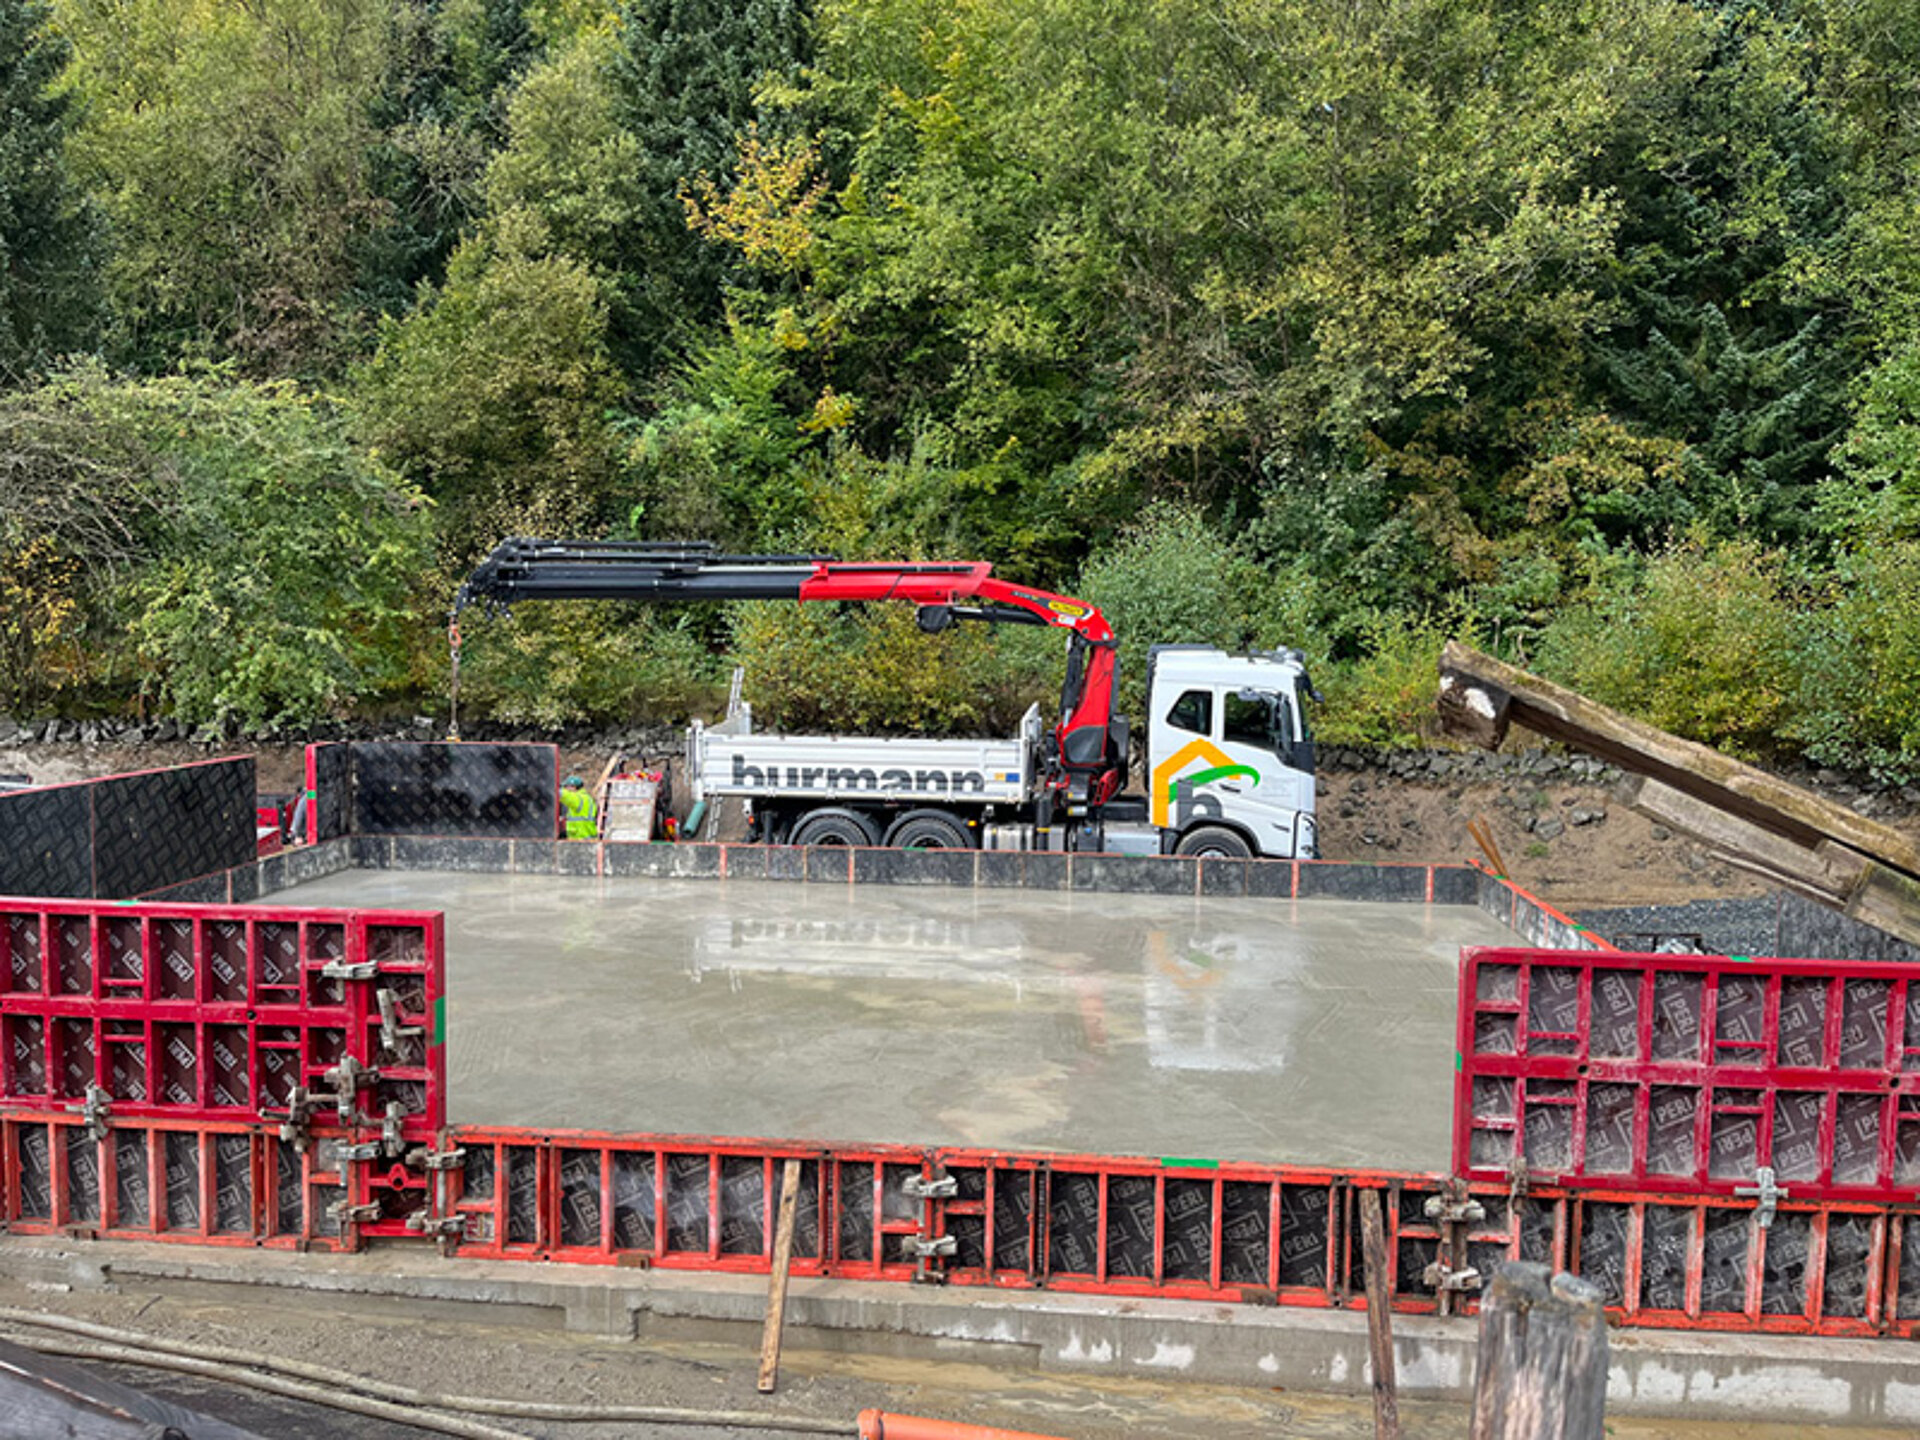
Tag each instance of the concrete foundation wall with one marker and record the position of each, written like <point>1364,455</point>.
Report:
<point>837,865</point>
<point>1528,918</point>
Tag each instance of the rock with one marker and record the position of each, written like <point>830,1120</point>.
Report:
<point>1865,805</point>
<point>1661,833</point>
<point>1548,827</point>
<point>1826,777</point>
<point>1358,787</point>
<point>1409,822</point>
<point>1320,786</point>
<point>51,735</point>
<point>1586,815</point>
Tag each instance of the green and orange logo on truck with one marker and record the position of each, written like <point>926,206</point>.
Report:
<point>1173,791</point>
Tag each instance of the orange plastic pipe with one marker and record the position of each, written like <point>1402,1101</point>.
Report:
<point>879,1425</point>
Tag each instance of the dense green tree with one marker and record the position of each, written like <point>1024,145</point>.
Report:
<point>230,147</point>
<point>606,134</point>
<point>48,250</point>
<point>494,394</point>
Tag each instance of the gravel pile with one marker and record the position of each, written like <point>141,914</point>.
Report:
<point>1725,927</point>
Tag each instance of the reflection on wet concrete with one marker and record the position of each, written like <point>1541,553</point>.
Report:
<point>1317,1032</point>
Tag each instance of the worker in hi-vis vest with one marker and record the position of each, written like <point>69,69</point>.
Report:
<point>582,824</point>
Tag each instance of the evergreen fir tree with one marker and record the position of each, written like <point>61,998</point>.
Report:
<point>48,249</point>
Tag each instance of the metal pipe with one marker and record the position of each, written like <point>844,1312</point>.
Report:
<point>880,1425</point>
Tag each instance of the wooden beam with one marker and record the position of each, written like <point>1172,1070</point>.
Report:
<point>1541,1373</point>
<point>1827,872</point>
<point>1373,1239</point>
<point>777,1282</point>
<point>1512,696</point>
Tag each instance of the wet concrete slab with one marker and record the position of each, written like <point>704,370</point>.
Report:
<point>1310,1032</point>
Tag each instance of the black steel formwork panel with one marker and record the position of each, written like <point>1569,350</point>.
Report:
<point>504,791</point>
<point>46,842</point>
<point>159,827</point>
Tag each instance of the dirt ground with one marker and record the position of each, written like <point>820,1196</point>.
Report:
<point>1573,845</point>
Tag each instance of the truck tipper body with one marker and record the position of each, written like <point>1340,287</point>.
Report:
<point>1227,768</point>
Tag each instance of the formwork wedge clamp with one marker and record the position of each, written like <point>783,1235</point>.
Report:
<point>1454,1209</point>
<point>347,1079</point>
<point>97,1111</point>
<point>392,1032</point>
<point>928,1249</point>
<point>349,970</point>
<point>938,1187</point>
<point>425,1157</point>
<point>294,1120</point>
<point>1442,1276</point>
<point>347,1213</point>
<point>1768,1191</point>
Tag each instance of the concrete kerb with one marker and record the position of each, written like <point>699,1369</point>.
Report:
<point>1690,1374</point>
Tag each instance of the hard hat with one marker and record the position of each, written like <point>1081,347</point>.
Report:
<point>574,782</point>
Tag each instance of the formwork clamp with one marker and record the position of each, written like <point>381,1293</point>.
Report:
<point>347,1213</point>
<point>929,1249</point>
<point>392,1142</point>
<point>365,1150</point>
<point>301,1103</point>
<point>392,1032</point>
<point>1443,1277</point>
<point>920,1187</point>
<point>345,970</point>
<point>1454,1209</point>
<point>1769,1193</point>
<point>97,1111</point>
<point>424,1157</point>
<point>347,1078</point>
<point>439,1226</point>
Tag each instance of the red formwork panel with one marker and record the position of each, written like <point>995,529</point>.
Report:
<point>196,1182</point>
<point>1690,1074</point>
<point>1176,1229</point>
<point>224,1013</point>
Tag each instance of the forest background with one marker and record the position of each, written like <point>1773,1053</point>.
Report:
<point>1588,331</point>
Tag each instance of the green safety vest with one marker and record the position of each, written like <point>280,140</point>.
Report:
<point>581,824</point>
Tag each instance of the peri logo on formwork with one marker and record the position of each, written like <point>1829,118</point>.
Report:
<point>850,777</point>
<point>1178,796</point>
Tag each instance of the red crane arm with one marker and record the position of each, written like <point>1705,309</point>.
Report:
<point>944,591</point>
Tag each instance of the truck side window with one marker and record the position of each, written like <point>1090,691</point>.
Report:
<point>1250,722</point>
<point>1193,712</point>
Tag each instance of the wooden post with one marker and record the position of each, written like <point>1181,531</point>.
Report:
<point>1542,1370</point>
<point>777,1283</point>
<point>1373,1240</point>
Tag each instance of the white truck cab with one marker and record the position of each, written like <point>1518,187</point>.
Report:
<point>1229,765</point>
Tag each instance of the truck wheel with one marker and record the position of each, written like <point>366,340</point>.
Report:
<point>834,827</point>
<point>929,830</point>
<point>1215,841</point>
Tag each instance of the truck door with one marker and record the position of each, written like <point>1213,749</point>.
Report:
<point>1222,753</point>
<point>1259,733</point>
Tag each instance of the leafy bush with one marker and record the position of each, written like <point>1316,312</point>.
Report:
<point>820,667</point>
<point>1171,579</point>
<point>1859,665</point>
<point>222,540</point>
<point>1698,640</point>
<point>581,662</point>
<point>1384,699</point>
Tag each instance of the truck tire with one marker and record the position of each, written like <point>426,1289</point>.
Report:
<point>1215,841</point>
<point>929,830</point>
<point>834,827</point>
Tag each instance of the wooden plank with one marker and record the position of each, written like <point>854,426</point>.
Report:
<point>1541,1373</point>
<point>1826,871</point>
<point>1887,900</point>
<point>1638,748</point>
<point>1373,1239</point>
<point>777,1282</point>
